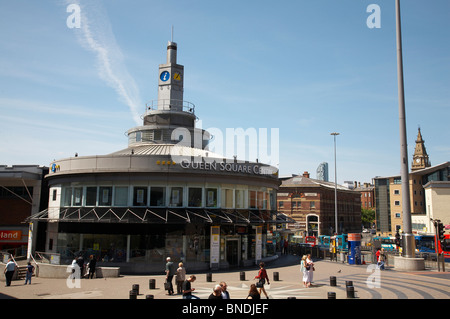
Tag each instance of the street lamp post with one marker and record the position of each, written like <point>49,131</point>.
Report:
<point>408,249</point>
<point>335,185</point>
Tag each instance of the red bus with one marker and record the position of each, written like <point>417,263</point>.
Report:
<point>310,240</point>
<point>444,247</point>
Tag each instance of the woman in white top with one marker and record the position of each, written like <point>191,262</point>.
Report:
<point>304,271</point>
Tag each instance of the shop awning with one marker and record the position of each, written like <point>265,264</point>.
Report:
<point>160,216</point>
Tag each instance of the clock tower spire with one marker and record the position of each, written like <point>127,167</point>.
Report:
<point>420,157</point>
<point>170,85</point>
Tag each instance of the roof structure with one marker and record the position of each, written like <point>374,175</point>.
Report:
<point>144,215</point>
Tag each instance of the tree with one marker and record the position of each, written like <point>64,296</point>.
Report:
<point>367,217</point>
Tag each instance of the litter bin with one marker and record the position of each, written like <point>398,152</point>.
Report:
<point>332,281</point>
<point>276,276</point>
<point>136,288</point>
<point>354,249</point>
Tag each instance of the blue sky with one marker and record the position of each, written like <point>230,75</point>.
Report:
<point>308,68</point>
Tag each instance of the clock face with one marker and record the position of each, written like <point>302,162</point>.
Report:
<point>417,160</point>
<point>164,76</point>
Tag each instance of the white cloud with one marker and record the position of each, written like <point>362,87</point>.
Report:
<point>96,35</point>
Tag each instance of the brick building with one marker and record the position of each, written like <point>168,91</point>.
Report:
<point>367,192</point>
<point>311,203</point>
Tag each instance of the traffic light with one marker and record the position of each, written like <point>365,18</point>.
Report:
<point>440,231</point>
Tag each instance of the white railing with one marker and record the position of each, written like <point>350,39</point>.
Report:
<point>170,104</point>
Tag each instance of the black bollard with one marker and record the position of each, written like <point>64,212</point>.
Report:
<point>350,292</point>
<point>152,284</point>
<point>276,276</point>
<point>331,295</point>
<point>133,294</point>
<point>136,288</point>
<point>242,275</point>
<point>332,281</point>
<point>348,283</point>
<point>209,277</point>
<point>291,298</point>
<point>149,297</point>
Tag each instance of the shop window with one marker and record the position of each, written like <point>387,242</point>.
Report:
<point>91,196</point>
<point>227,198</point>
<point>176,197</point>
<point>239,195</point>
<point>252,199</point>
<point>140,196</point>
<point>121,196</point>
<point>77,196</point>
<point>195,197</point>
<point>67,197</point>
<point>105,196</point>
<point>157,196</point>
<point>211,197</point>
<point>261,200</point>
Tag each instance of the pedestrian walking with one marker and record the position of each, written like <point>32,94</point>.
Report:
<point>225,293</point>
<point>187,288</point>
<point>91,266</point>
<point>29,273</point>
<point>253,293</point>
<point>217,293</point>
<point>170,272</point>
<point>263,278</point>
<point>10,268</point>
<point>304,271</point>
<point>180,277</point>
<point>310,270</point>
<point>80,262</point>
<point>286,246</point>
<point>381,257</point>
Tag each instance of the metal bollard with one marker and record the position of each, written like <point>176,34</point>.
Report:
<point>133,294</point>
<point>348,283</point>
<point>136,288</point>
<point>276,276</point>
<point>149,297</point>
<point>350,292</point>
<point>209,277</point>
<point>331,295</point>
<point>242,275</point>
<point>332,281</point>
<point>152,284</point>
<point>291,298</point>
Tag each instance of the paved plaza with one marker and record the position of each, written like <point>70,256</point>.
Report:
<point>368,284</point>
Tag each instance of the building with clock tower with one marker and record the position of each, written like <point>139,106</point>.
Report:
<point>420,157</point>
<point>165,195</point>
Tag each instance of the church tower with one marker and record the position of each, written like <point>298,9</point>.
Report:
<point>420,157</point>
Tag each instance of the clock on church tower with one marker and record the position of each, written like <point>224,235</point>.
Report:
<point>420,157</point>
